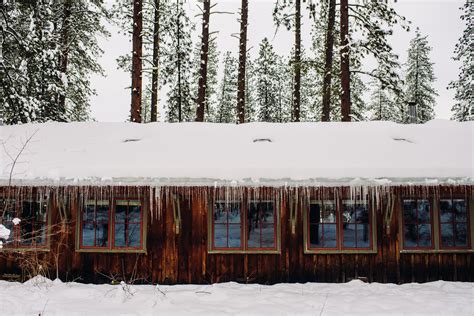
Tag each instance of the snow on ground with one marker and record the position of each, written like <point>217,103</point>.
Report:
<point>46,297</point>
<point>256,153</point>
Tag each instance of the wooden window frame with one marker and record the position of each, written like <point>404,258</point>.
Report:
<point>468,241</point>
<point>244,249</point>
<point>340,249</point>
<point>435,202</point>
<point>432,225</point>
<point>18,247</point>
<point>111,248</point>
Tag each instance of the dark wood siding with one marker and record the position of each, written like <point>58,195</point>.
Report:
<point>184,258</point>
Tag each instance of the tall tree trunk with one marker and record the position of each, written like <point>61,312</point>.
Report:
<point>65,49</point>
<point>156,62</point>
<point>178,48</point>
<point>325,117</point>
<point>297,63</point>
<point>202,85</point>
<point>136,108</point>
<point>345,71</point>
<point>242,62</point>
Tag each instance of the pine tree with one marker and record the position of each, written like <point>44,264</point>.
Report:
<point>318,73</point>
<point>250,91</point>
<point>178,67</point>
<point>226,110</point>
<point>420,78</point>
<point>267,78</point>
<point>383,105</point>
<point>47,55</point>
<point>464,107</point>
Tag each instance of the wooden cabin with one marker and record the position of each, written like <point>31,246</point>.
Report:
<point>267,203</point>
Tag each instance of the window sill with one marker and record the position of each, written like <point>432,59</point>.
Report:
<point>436,251</point>
<point>5,249</point>
<point>340,252</point>
<point>244,252</point>
<point>112,250</point>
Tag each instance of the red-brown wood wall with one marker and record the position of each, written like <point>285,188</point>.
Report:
<point>183,258</point>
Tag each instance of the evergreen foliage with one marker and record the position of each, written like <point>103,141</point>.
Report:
<point>420,77</point>
<point>226,109</point>
<point>464,107</point>
<point>49,49</point>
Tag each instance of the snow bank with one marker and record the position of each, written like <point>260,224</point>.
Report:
<point>353,298</point>
<point>161,154</point>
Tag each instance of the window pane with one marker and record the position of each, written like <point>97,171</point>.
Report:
<point>120,235</point>
<point>253,235</point>
<point>409,211</point>
<point>234,236</point>
<point>102,235</point>
<point>120,212</point>
<point>227,228</point>
<point>134,214</point>
<point>315,234</point>
<point>349,231</point>
<point>329,236</point>
<point>134,235</point>
<point>261,225</point>
<point>459,208</point>
<point>40,233</point>
<point>314,213</point>
<point>102,211</point>
<point>220,235</point>
<point>410,235</point>
<point>268,235</point>
<point>329,212</point>
<point>424,235</point>
<point>461,235</point>
<point>87,234</point>
<point>349,214</point>
<point>423,211</point>
<point>88,213</point>
<point>362,213</point>
<point>447,235</point>
<point>26,232</point>
<point>363,236</point>
<point>445,211</point>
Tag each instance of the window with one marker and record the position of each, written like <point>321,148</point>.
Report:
<point>250,229</point>
<point>112,225</point>
<point>453,221</point>
<point>440,226</point>
<point>417,224</point>
<point>334,227</point>
<point>32,229</point>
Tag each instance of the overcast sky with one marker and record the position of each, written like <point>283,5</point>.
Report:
<point>439,19</point>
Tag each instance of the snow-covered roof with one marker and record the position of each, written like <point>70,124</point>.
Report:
<point>161,154</point>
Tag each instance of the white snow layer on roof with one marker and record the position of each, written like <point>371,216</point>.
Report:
<point>160,154</point>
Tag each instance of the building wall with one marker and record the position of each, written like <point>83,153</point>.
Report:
<point>183,257</point>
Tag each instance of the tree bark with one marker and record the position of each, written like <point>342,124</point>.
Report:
<point>242,62</point>
<point>202,84</point>
<point>329,49</point>
<point>65,49</point>
<point>178,48</point>
<point>345,71</point>
<point>156,62</point>
<point>297,64</point>
<point>136,108</point>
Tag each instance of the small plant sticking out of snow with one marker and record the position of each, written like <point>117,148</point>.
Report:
<point>262,140</point>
